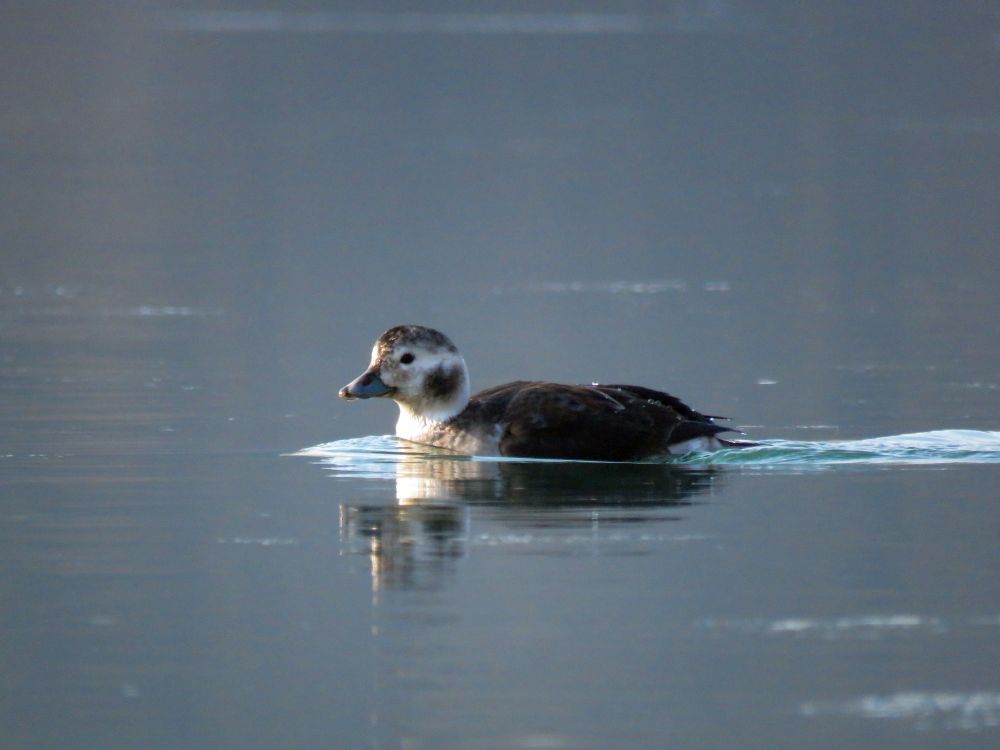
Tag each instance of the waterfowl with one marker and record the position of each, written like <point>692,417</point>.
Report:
<point>423,372</point>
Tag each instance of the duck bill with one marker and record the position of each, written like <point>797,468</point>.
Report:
<point>367,385</point>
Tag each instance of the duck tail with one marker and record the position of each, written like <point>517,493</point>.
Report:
<point>738,443</point>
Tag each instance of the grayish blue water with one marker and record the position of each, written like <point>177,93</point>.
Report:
<point>782,212</point>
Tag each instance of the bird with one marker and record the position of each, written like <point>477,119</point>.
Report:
<point>421,369</point>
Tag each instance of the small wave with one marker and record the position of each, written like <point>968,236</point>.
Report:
<point>377,456</point>
<point>935,447</point>
<point>859,626</point>
<point>166,311</point>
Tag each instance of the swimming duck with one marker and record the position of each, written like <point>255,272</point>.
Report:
<point>422,371</point>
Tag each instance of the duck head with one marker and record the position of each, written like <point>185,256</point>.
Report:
<point>420,369</point>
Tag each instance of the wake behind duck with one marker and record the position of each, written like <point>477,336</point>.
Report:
<point>423,372</point>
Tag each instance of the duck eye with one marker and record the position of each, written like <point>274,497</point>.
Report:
<point>406,358</point>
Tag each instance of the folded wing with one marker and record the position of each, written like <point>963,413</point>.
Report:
<point>601,422</point>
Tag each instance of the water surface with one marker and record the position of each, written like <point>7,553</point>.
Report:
<point>781,212</point>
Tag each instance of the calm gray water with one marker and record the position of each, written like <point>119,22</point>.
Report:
<point>782,212</point>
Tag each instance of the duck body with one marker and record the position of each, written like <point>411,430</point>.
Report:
<point>421,369</point>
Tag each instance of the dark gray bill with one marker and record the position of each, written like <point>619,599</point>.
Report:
<point>366,385</point>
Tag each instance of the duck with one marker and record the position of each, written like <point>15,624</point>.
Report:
<point>421,369</point>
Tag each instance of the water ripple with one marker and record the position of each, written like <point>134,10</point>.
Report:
<point>858,626</point>
<point>973,711</point>
<point>935,447</point>
<point>381,456</point>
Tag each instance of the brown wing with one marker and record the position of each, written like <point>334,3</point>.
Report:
<point>549,420</point>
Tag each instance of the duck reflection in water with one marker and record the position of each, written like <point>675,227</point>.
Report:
<point>445,505</point>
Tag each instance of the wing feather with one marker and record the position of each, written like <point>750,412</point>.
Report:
<point>599,422</point>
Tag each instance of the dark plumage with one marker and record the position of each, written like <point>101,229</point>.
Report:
<point>597,422</point>
<point>443,381</point>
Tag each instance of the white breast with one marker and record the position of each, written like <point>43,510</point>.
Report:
<point>477,440</point>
